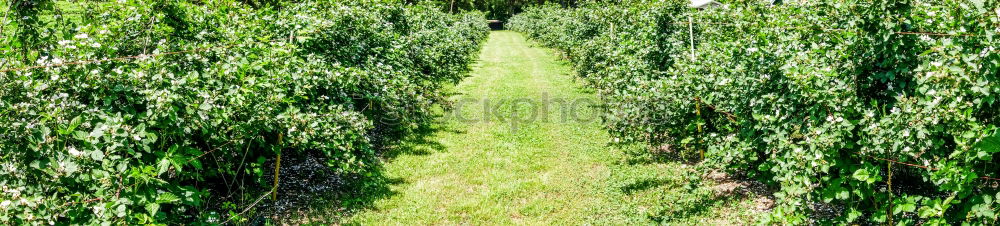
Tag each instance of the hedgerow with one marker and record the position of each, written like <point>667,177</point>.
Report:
<point>143,112</point>
<point>857,112</point>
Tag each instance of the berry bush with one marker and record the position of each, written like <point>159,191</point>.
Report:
<point>143,111</point>
<point>871,112</point>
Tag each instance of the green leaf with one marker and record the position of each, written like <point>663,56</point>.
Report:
<point>120,211</point>
<point>45,131</point>
<point>979,6</point>
<point>162,166</point>
<point>879,216</point>
<point>687,140</point>
<point>861,175</point>
<point>853,215</point>
<point>150,138</point>
<point>177,162</point>
<point>936,221</point>
<point>934,207</point>
<point>73,123</point>
<point>80,135</point>
<point>968,134</point>
<point>98,131</point>
<point>990,144</point>
<point>152,208</point>
<point>843,194</point>
<point>907,207</point>
<point>97,155</point>
<point>984,211</point>
<point>926,212</point>
<point>70,167</point>
<point>167,197</point>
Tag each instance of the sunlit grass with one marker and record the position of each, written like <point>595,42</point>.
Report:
<point>535,171</point>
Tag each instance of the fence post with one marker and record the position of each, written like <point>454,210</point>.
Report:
<point>889,184</point>
<point>691,34</point>
<point>277,170</point>
<point>701,137</point>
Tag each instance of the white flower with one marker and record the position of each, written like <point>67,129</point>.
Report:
<point>906,133</point>
<point>74,152</point>
<point>926,38</point>
<point>9,168</point>
<point>724,81</point>
<point>81,36</point>
<point>136,137</point>
<point>96,45</point>
<point>65,42</point>
<point>54,77</point>
<point>98,209</point>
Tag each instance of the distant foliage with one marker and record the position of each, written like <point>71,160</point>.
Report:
<point>216,88</point>
<point>495,9</point>
<point>818,99</point>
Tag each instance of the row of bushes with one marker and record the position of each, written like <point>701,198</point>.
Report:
<point>859,111</point>
<point>217,89</point>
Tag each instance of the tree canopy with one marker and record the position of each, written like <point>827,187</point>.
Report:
<point>495,9</point>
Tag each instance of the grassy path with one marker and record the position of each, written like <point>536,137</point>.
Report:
<point>550,169</point>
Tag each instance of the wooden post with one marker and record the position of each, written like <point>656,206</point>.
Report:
<point>277,170</point>
<point>697,111</point>
<point>889,184</point>
<point>691,34</point>
<point>451,9</point>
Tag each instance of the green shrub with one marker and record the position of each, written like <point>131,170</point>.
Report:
<point>824,100</point>
<point>139,141</point>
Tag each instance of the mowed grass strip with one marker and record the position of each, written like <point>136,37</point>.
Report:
<point>524,145</point>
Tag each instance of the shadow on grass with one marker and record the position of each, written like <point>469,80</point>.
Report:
<point>636,154</point>
<point>673,200</point>
<point>643,185</point>
<point>357,193</point>
<point>687,207</point>
<point>420,142</point>
<point>310,193</point>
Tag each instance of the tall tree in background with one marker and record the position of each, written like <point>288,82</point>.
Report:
<point>494,9</point>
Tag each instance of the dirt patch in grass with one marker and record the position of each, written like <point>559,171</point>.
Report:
<point>729,185</point>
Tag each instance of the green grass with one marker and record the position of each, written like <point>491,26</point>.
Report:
<point>532,172</point>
